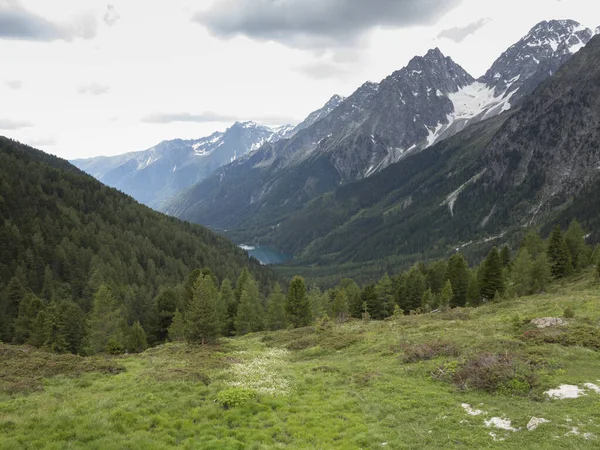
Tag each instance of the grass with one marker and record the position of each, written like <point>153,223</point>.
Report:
<point>394,384</point>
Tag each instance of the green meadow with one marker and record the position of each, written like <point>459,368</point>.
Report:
<point>464,378</point>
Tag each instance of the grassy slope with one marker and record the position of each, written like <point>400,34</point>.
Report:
<point>346,387</point>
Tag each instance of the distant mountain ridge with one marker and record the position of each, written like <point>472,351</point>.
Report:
<point>429,100</point>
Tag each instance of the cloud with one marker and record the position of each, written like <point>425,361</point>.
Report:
<point>324,69</point>
<point>111,16</point>
<point>317,23</point>
<point>46,141</point>
<point>17,23</point>
<point>459,34</point>
<point>9,124</point>
<point>94,89</point>
<point>14,84</point>
<point>205,117</point>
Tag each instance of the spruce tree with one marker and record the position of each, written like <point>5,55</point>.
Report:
<point>250,313</point>
<point>297,304</point>
<point>578,249</point>
<point>415,288</point>
<point>137,339</point>
<point>201,317</point>
<point>54,330</point>
<point>533,243</point>
<point>458,275</point>
<point>29,308</point>
<point>374,304</point>
<point>492,279</point>
<point>474,292</point>
<point>353,292</point>
<point>177,328</point>
<point>558,255</point>
<point>13,296</point>
<point>505,256</point>
<point>226,298</point>
<point>165,305</point>
<point>276,315</point>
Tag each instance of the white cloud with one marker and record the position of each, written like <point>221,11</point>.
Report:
<point>10,124</point>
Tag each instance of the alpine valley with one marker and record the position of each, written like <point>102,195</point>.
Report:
<point>391,158</point>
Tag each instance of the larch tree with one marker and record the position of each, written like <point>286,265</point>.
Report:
<point>276,315</point>
<point>250,312</point>
<point>201,317</point>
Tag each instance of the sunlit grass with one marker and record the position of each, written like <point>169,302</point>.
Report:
<point>346,387</point>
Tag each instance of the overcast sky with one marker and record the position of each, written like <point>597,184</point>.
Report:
<point>82,78</point>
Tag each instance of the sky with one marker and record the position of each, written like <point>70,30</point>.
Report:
<point>84,78</point>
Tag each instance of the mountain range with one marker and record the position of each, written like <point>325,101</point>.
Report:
<point>155,175</point>
<point>382,177</point>
<point>429,100</point>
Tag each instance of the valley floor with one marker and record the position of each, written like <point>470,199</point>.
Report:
<point>401,383</point>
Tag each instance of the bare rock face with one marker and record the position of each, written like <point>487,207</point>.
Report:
<point>545,322</point>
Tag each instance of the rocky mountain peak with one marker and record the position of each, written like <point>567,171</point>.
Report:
<point>546,47</point>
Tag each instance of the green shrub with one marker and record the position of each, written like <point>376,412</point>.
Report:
<point>569,312</point>
<point>231,398</point>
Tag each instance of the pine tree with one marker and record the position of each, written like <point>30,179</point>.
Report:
<point>458,275</point>
<point>339,308</point>
<point>137,339</point>
<point>492,279</point>
<point>177,328</point>
<point>297,304</point>
<point>558,255</point>
<point>106,320</point>
<point>276,316</point>
<point>250,312</point>
<point>522,276</point>
<point>201,317</point>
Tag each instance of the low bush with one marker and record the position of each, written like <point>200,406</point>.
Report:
<point>23,368</point>
<point>493,373</point>
<point>231,398</point>
<point>430,350</point>
<point>583,335</point>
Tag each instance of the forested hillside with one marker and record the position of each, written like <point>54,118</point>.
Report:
<point>64,235</point>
